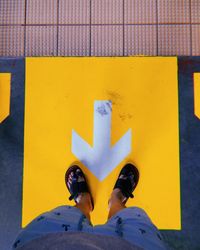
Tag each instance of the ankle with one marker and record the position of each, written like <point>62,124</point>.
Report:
<point>117,198</point>
<point>84,201</point>
<point>116,202</point>
<point>117,194</point>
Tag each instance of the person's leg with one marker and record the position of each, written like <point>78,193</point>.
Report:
<point>60,219</point>
<point>77,185</point>
<point>116,202</point>
<point>124,186</point>
<point>84,204</point>
<point>135,226</point>
<point>63,218</point>
<point>131,224</point>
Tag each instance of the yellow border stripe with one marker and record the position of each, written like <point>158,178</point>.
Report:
<point>4,95</point>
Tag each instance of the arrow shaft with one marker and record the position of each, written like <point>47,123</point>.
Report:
<point>102,125</point>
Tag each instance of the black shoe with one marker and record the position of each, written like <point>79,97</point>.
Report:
<point>76,183</point>
<point>127,180</point>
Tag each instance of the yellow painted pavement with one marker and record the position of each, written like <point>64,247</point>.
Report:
<point>60,95</point>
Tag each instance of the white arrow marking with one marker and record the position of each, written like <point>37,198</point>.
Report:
<point>101,159</point>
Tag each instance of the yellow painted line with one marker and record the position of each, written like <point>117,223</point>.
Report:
<point>5,79</point>
<point>197,94</point>
<point>60,95</point>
